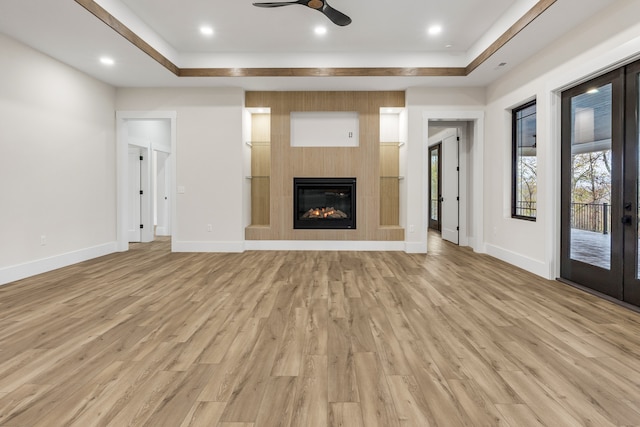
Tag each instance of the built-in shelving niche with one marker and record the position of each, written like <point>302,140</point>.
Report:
<point>390,177</point>
<point>260,168</point>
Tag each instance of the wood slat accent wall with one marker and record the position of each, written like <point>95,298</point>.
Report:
<point>362,162</point>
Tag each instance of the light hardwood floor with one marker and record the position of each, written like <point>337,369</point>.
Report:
<point>151,338</point>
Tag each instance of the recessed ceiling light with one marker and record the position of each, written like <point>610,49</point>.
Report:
<point>434,30</point>
<point>448,46</point>
<point>107,61</point>
<point>320,30</point>
<point>206,31</point>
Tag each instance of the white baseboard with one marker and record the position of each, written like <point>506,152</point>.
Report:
<point>534,266</point>
<point>177,246</point>
<point>323,245</point>
<point>415,247</point>
<point>28,269</point>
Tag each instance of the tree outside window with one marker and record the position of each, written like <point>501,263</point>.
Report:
<point>525,179</point>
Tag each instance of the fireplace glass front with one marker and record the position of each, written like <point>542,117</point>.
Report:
<point>324,203</point>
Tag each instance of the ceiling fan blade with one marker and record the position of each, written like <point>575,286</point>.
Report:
<point>335,16</point>
<point>276,3</point>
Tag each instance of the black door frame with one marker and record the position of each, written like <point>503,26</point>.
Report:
<point>621,280</point>
<point>631,292</point>
<point>437,223</point>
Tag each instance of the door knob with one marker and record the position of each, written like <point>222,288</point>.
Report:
<point>627,219</point>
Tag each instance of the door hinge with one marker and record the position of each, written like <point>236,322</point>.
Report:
<point>458,198</point>
<point>457,228</point>
<point>141,192</point>
<point>458,168</point>
<point>141,226</point>
<point>141,158</point>
<point>458,138</point>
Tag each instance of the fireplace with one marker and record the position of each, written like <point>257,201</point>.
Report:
<point>324,203</point>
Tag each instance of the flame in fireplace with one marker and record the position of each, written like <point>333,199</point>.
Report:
<point>324,213</point>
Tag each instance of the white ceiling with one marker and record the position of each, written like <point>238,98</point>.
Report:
<point>382,34</point>
<point>378,26</point>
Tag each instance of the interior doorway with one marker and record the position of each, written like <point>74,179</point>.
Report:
<point>145,176</point>
<point>444,181</point>
<point>470,127</point>
<point>600,197</point>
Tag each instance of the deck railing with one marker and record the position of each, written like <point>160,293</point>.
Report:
<point>591,217</point>
<point>594,217</point>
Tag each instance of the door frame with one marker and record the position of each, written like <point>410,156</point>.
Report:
<point>609,282</point>
<point>632,163</point>
<point>627,129</point>
<point>571,75</point>
<point>122,173</point>
<point>447,157</point>
<point>471,173</point>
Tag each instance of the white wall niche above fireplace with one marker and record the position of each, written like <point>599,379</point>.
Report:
<point>325,129</point>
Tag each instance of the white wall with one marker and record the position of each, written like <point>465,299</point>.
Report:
<point>57,164</point>
<point>156,132</point>
<point>605,41</point>
<point>209,162</point>
<point>421,101</point>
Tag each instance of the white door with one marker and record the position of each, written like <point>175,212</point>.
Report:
<point>134,218</point>
<point>450,196</point>
<point>162,183</point>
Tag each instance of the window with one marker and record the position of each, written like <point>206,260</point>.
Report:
<point>524,175</point>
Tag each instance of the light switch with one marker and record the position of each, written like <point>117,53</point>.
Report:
<point>181,189</point>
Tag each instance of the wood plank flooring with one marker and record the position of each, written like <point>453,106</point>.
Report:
<point>356,339</point>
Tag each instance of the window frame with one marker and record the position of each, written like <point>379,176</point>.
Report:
<point>515,156</point>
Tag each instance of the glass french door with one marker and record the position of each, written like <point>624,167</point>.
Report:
<point>631,206</point>
<point>435,187</point>
<point>599,210</point>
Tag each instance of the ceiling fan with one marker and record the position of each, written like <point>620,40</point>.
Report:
<point>322,6</point>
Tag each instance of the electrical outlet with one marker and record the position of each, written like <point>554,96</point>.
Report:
<point>209,227</point>
<point>43,240</point>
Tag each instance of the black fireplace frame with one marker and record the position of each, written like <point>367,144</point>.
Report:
<point>325,224</point>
